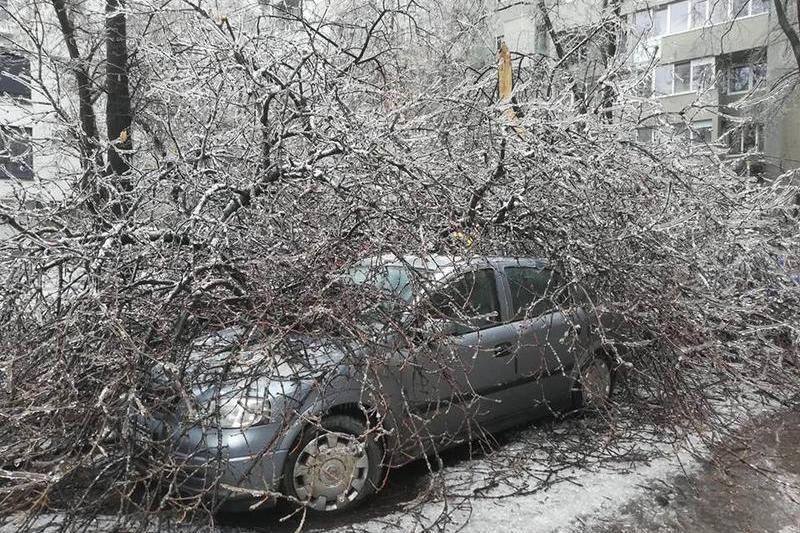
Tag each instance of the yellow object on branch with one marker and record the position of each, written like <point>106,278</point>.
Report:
<point>505,86</point>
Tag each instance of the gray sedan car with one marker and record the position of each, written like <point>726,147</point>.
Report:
<point>478,345</point>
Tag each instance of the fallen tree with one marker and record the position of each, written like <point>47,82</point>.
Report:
<point>273,157</point>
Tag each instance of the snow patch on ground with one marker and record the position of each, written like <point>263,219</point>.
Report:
<point>571,500</point>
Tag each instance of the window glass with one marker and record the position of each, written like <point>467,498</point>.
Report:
<point>733,139</point>
<point>394,280</point>
<point>534,291</point>
<point>739,79</point>
<point>702,74</point>
<point>682,73</point>
<point>744,137</point>
<point>701,131</point>
<point>644,87</point>
<point>679,16</point>
<point>663,80</point>
<point>641,23</point>
<point>718,10</point>
<point>698,15</point>
<point>740,8</point>
<point>759,72</point>
<point>541,40</point>
<point>753,137</point>
<point>471,302</point>
<point>660,21</point>
<point>13,70</point>
<point>16,156</point>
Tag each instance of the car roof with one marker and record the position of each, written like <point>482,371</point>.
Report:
<point>441,265</point>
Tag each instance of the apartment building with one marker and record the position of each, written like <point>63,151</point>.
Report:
<point>16,156</point>
<point>722,70</point>
<point>31,164</point>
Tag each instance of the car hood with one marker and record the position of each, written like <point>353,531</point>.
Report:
<point>272,365</point>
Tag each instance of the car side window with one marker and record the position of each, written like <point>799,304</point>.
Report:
<point>534,291</point>
<point>470,302</point>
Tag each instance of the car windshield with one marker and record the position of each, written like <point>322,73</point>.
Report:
<point>393,279</point>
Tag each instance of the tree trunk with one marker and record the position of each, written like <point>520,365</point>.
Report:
<point>88,137</point>
<point>118,107</point>
<point>611,35</point>
<point>789,29</point>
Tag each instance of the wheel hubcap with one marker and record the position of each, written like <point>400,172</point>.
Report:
<point>330,471</point>
<point>596,384</point>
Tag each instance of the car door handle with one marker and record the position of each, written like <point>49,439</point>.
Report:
<point>502,350</point>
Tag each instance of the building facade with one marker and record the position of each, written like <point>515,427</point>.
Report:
<point>33,162</point>
<point>720,69</point>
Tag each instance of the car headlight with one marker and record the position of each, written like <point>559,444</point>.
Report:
<point>240,411</point>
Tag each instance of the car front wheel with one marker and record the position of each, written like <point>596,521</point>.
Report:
<point>335,465</point>
<point>594,383</point>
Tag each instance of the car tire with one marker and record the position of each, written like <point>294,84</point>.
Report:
<point>593,383</point>
<point>335,465</point>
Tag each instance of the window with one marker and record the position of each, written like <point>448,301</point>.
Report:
<point>534,291</point>
<point>16,156</point>
<point>759,6</point>
<point>753,138</point>
<point>294,7</point>
<point>700,131</point>
<point>745,78</point>
<point>746,8</point>
<point>739,79</point>
<point>682,73</point>
<point>743,138</point>
<point>740,8</point>
<point>759,71</point>
<point>660,21</point>
<point>679,16</point>
<point>718,11</point>
<point>540,39</point>
<point>699,14</point>
<point>644,135</point>
<point>471,302</point>
<point>644,86</point>
<point>662,81</point>
<point>641,23</point>
<point>14,70</point>
<point>678,78</point>
<point>702,74</point>
<point>688,14</point>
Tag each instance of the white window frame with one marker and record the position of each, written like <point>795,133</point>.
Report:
<point>729,15</point>
<point>692,63</point>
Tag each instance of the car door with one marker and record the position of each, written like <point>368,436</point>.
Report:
<point>546,342</point>
<point>461,380</point>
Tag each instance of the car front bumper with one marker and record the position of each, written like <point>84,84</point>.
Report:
<point>228,469</point>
